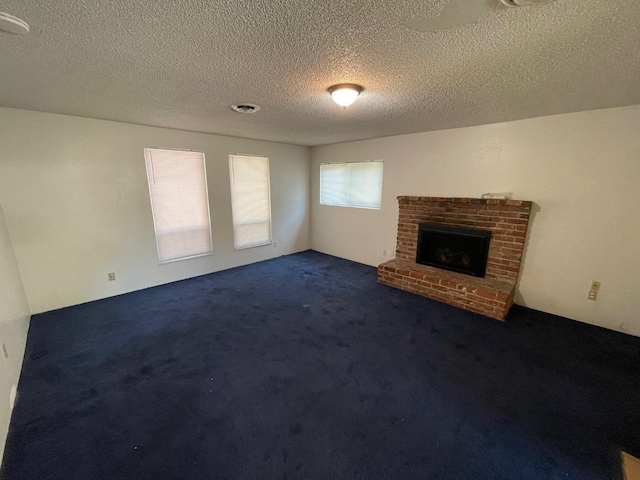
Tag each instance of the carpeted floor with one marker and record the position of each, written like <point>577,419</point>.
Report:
<point>303,367</point>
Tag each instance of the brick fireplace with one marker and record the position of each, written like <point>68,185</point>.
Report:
<point>491,295</point>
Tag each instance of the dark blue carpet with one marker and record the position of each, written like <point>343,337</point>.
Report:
<point>303,367</point>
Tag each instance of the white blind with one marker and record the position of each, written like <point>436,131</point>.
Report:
<point>250,200</point>
<point>179,202</point>
<point>357,184</point>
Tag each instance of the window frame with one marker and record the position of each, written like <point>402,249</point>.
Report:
<point>269,203</point>
<point>153,212</point>
<point>346,205</point>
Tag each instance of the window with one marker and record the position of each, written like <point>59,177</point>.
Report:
<point>250,200</point>
<point>179,203</point>
<point>357,184</point>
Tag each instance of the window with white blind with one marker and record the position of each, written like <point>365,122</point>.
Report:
<point>357,184</point>
<point>250,200</point>
<point>179,203</point>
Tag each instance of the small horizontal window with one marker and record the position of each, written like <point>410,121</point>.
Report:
<point>357,184</point>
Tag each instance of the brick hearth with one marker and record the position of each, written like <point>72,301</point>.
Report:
<point>507,220</point>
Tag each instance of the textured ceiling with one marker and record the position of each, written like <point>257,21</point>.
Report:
<point>182,63</point>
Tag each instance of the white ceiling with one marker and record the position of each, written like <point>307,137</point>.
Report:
<point>182,63</point>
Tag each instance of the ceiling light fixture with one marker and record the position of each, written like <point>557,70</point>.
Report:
<point>345,94</point>
<point>11,24</point>
<point>245,108</point>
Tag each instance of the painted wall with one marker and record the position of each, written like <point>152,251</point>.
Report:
<point>14,323</point>
<point>77,204</point>
<point>581,170</point>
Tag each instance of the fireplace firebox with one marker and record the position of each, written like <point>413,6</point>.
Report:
<point>458,249</point>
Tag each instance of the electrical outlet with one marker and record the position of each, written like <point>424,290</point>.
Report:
<point>112,276</point>
<point>275,244</point>
<point>5,351</point>
<point>593,295</point>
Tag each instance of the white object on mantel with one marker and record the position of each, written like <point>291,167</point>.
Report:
<point>498,196</point>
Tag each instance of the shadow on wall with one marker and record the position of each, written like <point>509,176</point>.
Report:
<point>535,209</point>
<point>13,337</point>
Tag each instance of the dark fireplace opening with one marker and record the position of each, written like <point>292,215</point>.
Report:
<point>459,249</point>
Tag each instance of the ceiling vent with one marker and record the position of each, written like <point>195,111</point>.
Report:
<point>245,108</point>
<point>524,3</point>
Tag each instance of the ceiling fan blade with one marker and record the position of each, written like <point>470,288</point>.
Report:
<point>463,12</point>
<point>456,13</point>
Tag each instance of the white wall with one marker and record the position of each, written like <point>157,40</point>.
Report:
<point>14,323</point>
<point>582,171</point>
<point>77,204</point>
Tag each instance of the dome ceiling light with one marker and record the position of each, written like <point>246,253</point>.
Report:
<point>11,24</point>
<point>344,94</point>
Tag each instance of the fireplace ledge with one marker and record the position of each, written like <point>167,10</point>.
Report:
<point>486,296</point>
